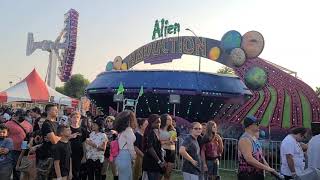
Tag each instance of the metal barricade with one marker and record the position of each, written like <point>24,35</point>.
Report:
<point>271,151</point>
<point>229,159</point>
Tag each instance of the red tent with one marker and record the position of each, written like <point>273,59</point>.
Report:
<point>34,89</point>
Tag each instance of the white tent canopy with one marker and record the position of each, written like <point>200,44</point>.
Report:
<point>34,89</point>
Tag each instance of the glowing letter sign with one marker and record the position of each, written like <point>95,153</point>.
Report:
<point>162,28</point>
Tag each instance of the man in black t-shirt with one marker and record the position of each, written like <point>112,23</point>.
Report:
<point>49,134</point>
<point>49,131</point>
<point>62,154</point>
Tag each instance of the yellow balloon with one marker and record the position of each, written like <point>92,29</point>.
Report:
<point>124,66</point>
<point>214,53</point>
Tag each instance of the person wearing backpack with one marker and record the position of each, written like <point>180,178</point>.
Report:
<point>19,129</point>
<point>125,123</point>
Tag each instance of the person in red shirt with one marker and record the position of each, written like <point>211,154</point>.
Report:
<point>212,150</point>
<point>19,129</point>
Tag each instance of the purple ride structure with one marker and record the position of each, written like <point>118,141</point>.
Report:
<point>61,51</point>
<point>261,89</point>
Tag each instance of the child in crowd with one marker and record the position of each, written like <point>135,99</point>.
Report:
<point>6,145</point>
<point>62,154</point>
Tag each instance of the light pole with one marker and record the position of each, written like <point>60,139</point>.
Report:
<point>187,29</point>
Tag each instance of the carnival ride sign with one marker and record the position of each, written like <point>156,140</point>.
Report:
<point>165,50</point>
<point>162,28</point>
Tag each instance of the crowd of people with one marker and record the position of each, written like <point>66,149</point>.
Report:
<point>293,151</point>
<point>41,145</point>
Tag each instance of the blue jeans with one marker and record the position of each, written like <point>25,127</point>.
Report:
<point>124,165</point>
<point>5,171</point>
<point>213,167</point>
<point>153,175</point>
<point>15,156</point>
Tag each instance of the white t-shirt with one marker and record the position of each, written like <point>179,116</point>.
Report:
<point>314,152</point>
<point>289,145</point>
<point>126,140</point>
<point>92,152</point>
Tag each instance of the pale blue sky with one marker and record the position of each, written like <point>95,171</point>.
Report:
<point>111,28</point>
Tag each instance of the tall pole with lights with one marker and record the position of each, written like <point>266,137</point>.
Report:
<point>187,29</point>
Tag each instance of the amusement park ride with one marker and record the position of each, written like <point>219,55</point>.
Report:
<point>268,91</point>
<point>61,51</point>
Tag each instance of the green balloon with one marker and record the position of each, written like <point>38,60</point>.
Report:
<point>256,78</point>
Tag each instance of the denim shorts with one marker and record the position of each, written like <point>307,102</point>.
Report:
<point>213,166</point>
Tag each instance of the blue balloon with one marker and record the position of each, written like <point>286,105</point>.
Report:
<point>109,66</point>
<point>230,40</point>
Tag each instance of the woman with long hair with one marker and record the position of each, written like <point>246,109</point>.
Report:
<point>142,125</point>
<point>125,123</point>
<point>95,147</point>
<point>212,150</point>
<point>168,142</point>
<point>153,162</point>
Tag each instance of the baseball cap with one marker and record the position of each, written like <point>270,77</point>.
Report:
<point>249,120</point>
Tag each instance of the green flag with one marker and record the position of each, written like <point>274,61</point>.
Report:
<point>120,89</point>
<point>141,91</point>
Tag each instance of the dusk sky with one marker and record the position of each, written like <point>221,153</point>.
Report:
<point>111,28</point>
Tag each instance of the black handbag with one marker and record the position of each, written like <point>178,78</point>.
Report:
<point>44,166</point>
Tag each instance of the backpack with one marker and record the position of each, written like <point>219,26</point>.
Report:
<point>114,149</point>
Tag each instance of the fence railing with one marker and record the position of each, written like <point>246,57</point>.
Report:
<point>229,159</point>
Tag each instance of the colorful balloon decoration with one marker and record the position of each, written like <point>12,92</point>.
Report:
<point>109,66</point>
<point>117,63</point>
<point>252,44</point>
<point>214,53</point>
<point>237,56</point>
<point>238,48</point>
<point>230,40</point>
<point>124,66</point>
<point>255,79</point>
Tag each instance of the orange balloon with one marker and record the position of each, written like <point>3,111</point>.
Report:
<point>214,53</point>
